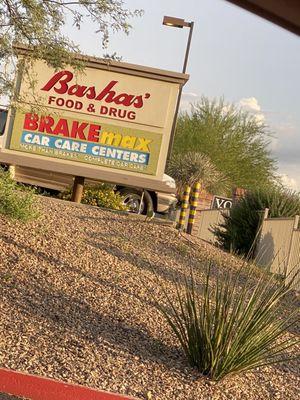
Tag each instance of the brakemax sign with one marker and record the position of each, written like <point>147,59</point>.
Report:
<point>111,116</point>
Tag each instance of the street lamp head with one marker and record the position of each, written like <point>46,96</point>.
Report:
<point>175,22</point>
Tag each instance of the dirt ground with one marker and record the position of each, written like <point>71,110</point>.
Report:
<point>75,306</point>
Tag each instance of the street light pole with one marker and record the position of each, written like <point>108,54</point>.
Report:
<point>178,23</point>
<point>187,52</point>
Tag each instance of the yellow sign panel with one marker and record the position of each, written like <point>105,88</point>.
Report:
<point>85,141</point>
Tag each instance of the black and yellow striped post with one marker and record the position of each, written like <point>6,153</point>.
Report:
<point>184,207</point>
<point>193,206</point>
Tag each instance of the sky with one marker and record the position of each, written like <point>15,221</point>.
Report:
<point>234,54</point>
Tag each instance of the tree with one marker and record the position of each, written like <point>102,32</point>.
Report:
<point>192,167</point>
<point>234,140</point>
<point>239,230</point>
<point>39,24</point>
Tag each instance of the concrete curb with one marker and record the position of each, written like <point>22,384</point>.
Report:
<point>38,388</point>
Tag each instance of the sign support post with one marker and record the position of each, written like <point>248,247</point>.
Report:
<point>77,189</point>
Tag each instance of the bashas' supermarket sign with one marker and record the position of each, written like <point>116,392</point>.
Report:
<point>62,83</point>
<point>113,117</point>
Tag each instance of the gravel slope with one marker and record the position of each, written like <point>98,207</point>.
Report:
<point>74,307</point>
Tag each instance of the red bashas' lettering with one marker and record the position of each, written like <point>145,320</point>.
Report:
<point>60,84</point>
<point>62,78</point>
<point>107,92</point>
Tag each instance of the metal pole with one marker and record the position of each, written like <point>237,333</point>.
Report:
<point>172,137</point>
<point>141,202</point>
<point>191,26</point>
<point>77,189</point>
<point>184,207</point>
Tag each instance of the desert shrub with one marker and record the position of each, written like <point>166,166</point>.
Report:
<point>101,195</point>
<point>16,201</point>
<point>192,167</point>
<point>239,230</point>
<point>232,324</point>
<point>234,140</point>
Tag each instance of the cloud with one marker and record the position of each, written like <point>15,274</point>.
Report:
<point>186,99</point>
<point>285,147</point>
<point>286,144</point>
<point>286,128</point>
<point>289,182</point>
<point>274,144</point>
<point>190,95</point>
<point>251,105</point>
<point>260,118</point>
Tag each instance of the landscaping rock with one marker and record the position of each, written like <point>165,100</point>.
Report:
<point>77,289</point>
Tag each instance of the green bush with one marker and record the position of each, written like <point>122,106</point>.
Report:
<point>101,195</point>
<point>233,325</point>
<point>16,201</point>
<point>234,140</point>
<point>238,232</point>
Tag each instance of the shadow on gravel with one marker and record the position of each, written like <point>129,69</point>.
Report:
<point>140,262</point>
<point>289,303</point>
<point>292,366</point>
<point>64,266</point>
<point>104,326</point>
<point>68,314</point>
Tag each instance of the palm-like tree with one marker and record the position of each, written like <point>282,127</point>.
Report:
<point>192,167</point>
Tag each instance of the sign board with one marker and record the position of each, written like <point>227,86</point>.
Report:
<point>113,120</point>
<point>221,202</point>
